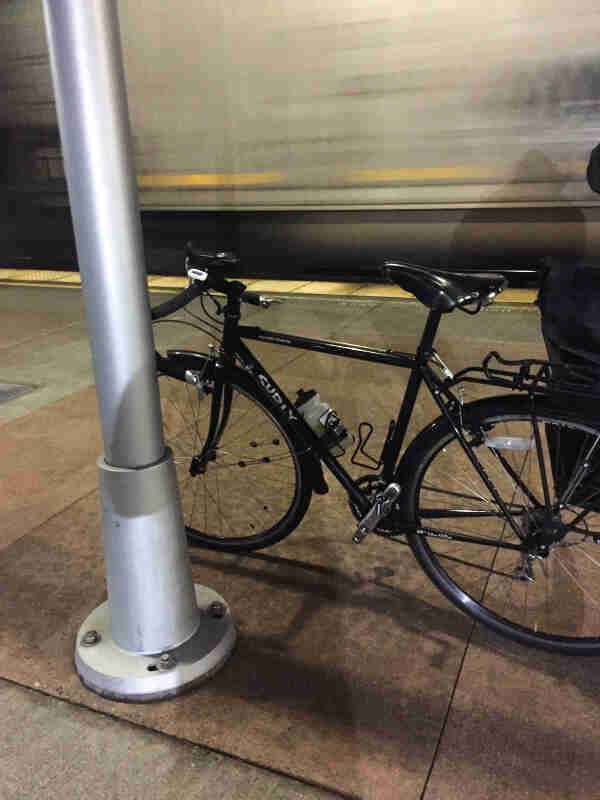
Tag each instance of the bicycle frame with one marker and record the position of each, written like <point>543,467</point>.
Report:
<point>232,346</point>
<point>233,349</point>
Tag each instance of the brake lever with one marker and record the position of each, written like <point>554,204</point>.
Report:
<point>266,302</point>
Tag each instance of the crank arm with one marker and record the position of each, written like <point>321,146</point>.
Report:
<point>383,505</point>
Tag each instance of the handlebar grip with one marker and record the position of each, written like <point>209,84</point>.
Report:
<point>177,302</point>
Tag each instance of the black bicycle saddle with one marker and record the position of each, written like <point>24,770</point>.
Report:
<point>444,291</point>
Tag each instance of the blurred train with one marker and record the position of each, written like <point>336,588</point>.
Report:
<point>331,134</point>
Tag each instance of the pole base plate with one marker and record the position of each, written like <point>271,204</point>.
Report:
<point>111,672</point>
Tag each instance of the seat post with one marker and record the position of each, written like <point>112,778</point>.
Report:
<point>429,333</point>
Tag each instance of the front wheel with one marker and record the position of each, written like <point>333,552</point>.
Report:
<point>545,591</point>
<point>247,488</point>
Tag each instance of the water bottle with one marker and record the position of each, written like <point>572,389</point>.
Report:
<point>323,421</point>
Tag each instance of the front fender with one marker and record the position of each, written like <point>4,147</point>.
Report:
<point>178,362</point>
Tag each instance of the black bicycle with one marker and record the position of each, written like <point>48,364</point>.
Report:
<point>498,498</point>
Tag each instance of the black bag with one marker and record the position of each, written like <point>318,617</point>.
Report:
<point>569,302</point>
<point>593,169</point>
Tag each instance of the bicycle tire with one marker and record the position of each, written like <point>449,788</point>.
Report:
<point>560,610</point>
<point>255,490</point>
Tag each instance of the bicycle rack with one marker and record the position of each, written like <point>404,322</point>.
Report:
<point>532,375</point>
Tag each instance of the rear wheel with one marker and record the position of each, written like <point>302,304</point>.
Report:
<point>548,593</point>
<point>248,488</point>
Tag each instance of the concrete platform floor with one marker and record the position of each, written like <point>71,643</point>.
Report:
<point>56,750</point>
<point>352,676</point>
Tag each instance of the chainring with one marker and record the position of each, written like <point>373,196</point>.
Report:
<point>374,484</point>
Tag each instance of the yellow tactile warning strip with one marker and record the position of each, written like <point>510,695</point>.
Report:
<point>208,180</point>
<point>482,173</point>
<point>171,283</point>
<point>458,172</point>
<point>167,282</point>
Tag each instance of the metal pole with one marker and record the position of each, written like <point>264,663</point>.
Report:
<point>157,634</point>
<point>88,74</point>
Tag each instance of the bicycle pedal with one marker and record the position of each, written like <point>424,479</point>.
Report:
<point>382,506</point>
<point>359,534</point>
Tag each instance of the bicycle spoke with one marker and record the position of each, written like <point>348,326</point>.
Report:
<point>473,565</point>
<point>582,514</point>
<point>577,583</point>
<point>589,557</point>
<point>517,479</point>
<point>460,495</point>
<point>579,472</point>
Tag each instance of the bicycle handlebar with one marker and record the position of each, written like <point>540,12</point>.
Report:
<point>200,286</point>
<point>175,303</point>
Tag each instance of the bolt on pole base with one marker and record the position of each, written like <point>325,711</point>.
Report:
<point>112,672</point>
